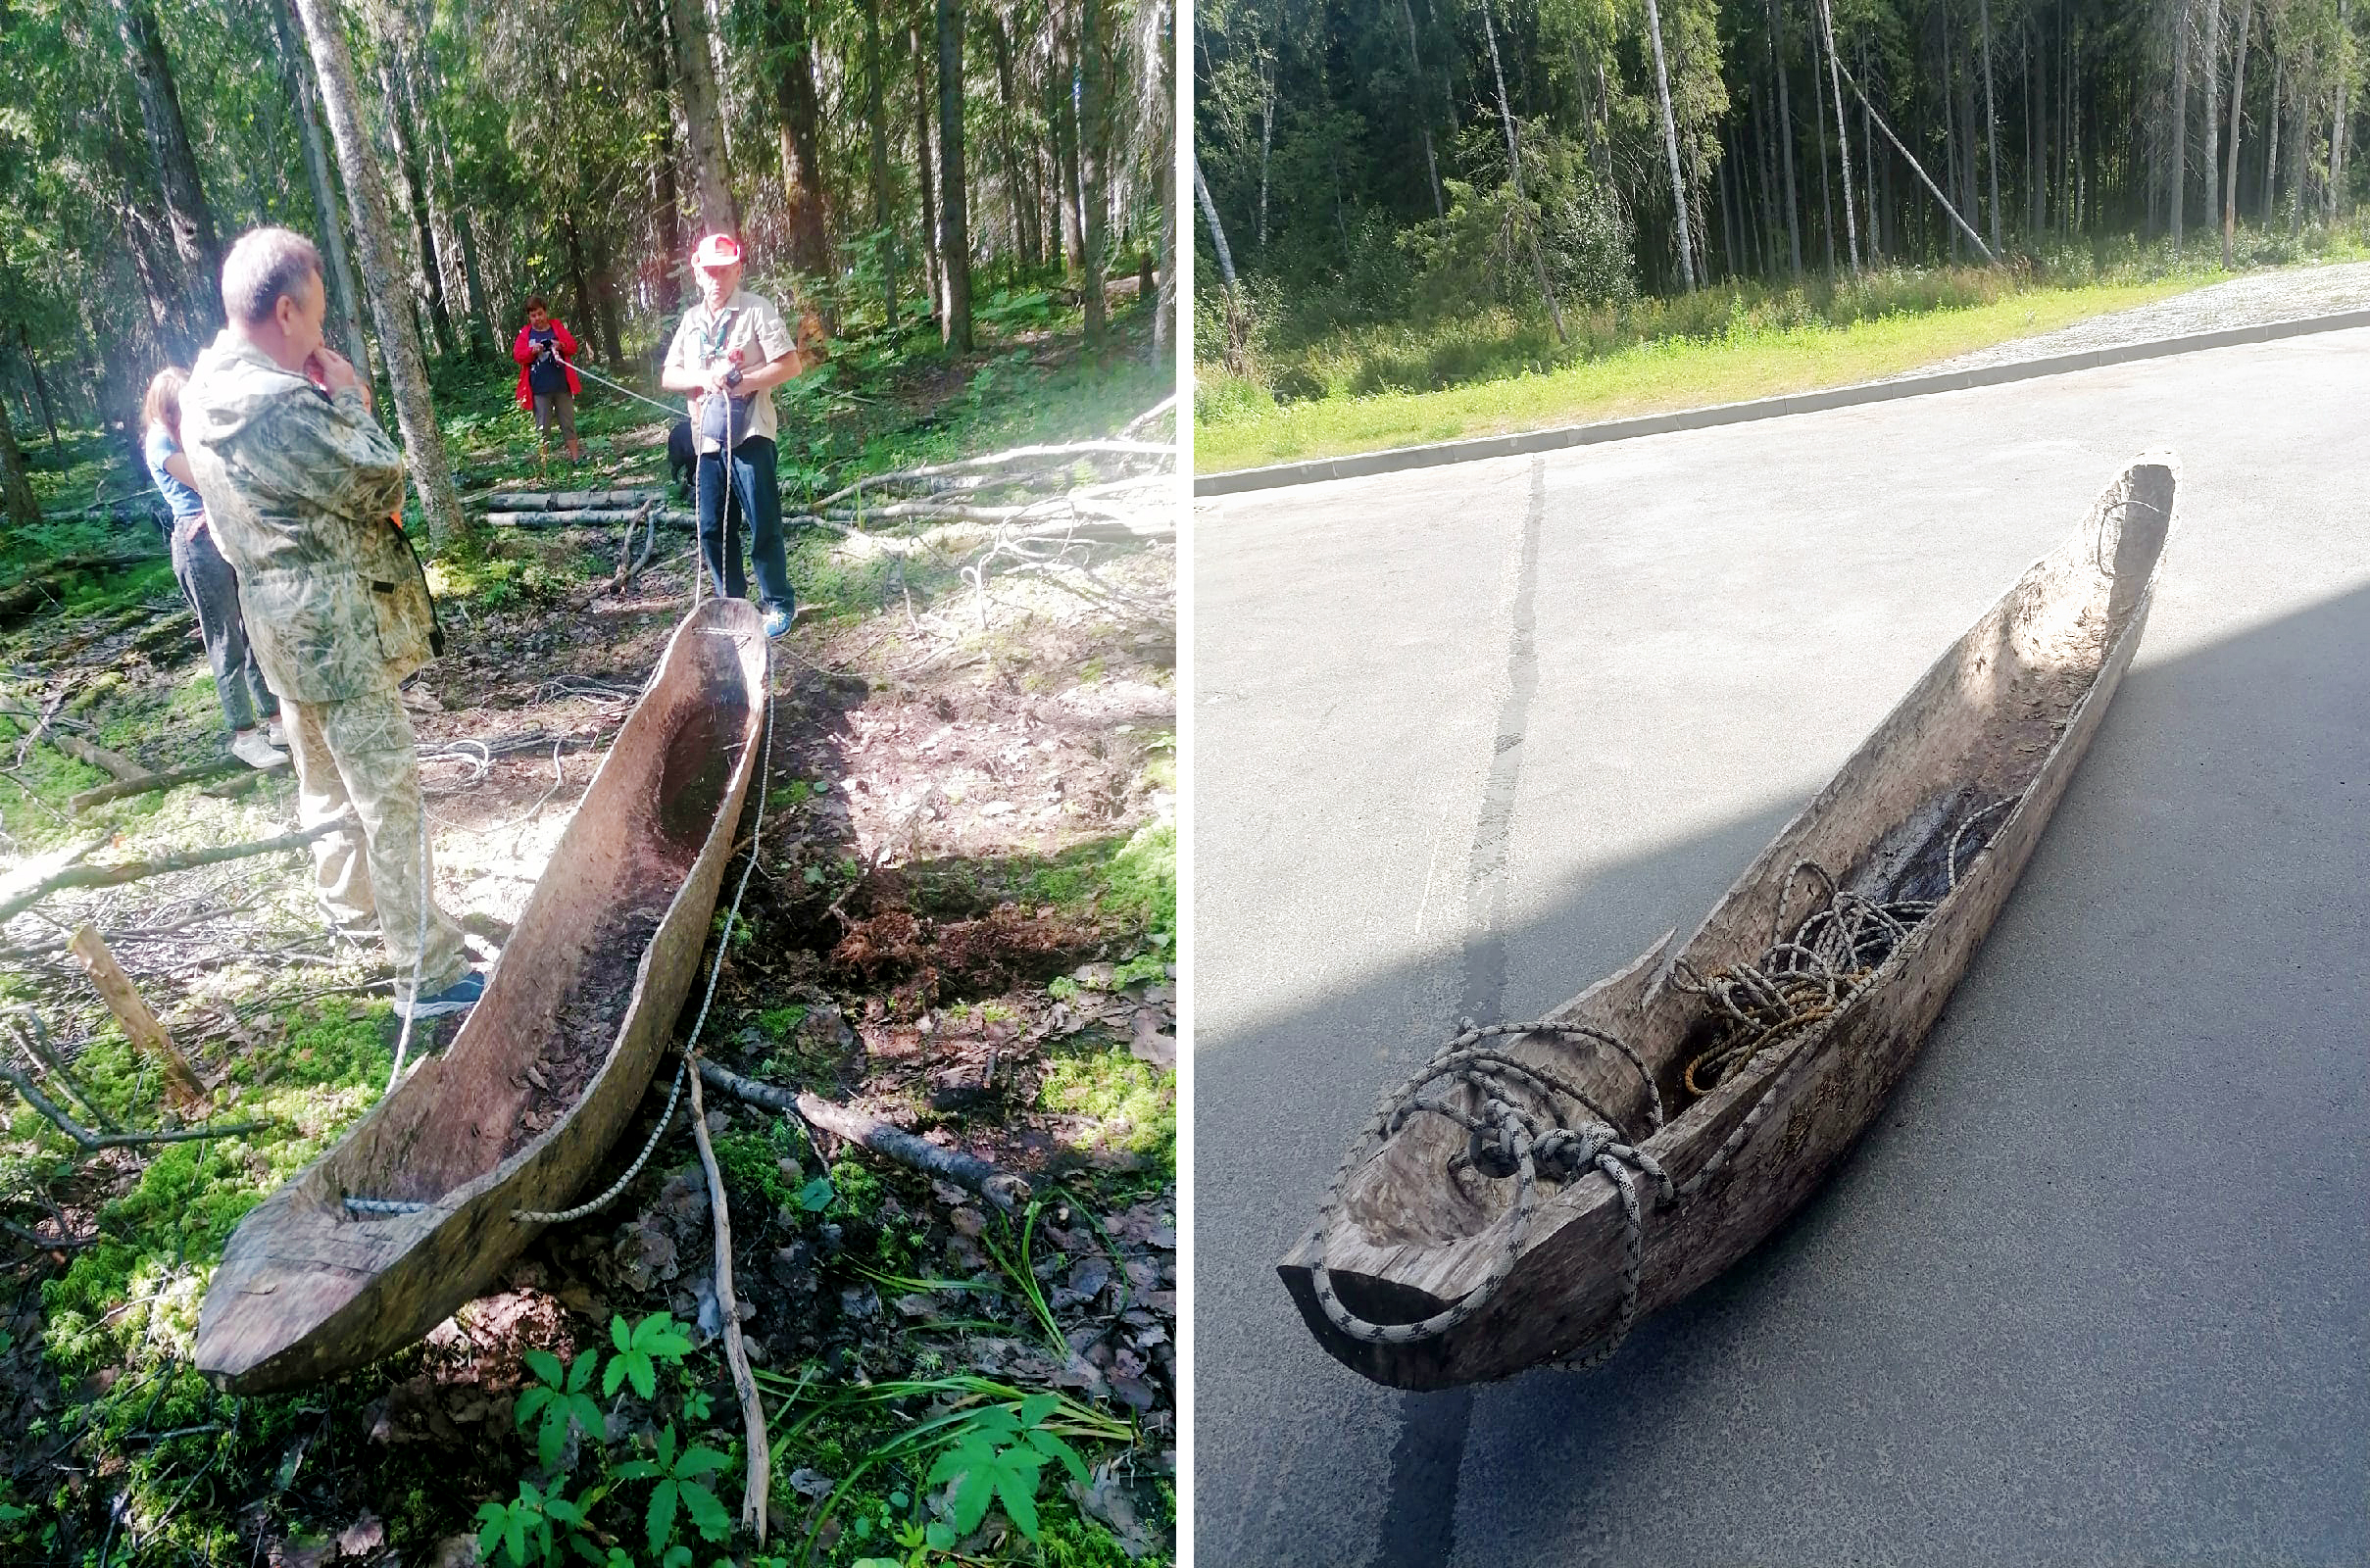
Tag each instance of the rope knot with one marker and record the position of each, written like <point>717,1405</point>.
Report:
<point>1498,1139</point>
<point>1564,1153</point>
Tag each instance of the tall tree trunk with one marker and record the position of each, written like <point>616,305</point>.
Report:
<point>32,365</point>
<point>1266,141</point>
<point>2300,163</point>
<point>16,478</point>
<point>1785,114</point>
<point>2179,120</point>
<point>798,123</point>
<point>878,115</point>
<point>192,223</point>
<point>2230,173</point>
<point>1513,158</point>
<point>1843,129</point>
<point>576,276</point>
<point>2336,116</point>
<point>1431,162</point>
<point>1094,156</point>
<point>408,163</point>
<point>414,413</point>
<point>1024,213</point>
<point>710,173</point>
<point>1826,186</point>
<point>345,315</point>
<point>2271,133</point>
<point>926,177</point>
<point>2211,59</point>
<point>953,235</point>
<point>1073,186</point>
<point>1237,333</point>
<point>1670,146</point>
<point>1991,128</point>
<point>665,201</point>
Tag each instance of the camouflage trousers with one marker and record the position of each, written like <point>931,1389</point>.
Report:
<point>358,751</point>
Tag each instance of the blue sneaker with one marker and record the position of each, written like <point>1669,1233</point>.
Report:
<point>777,620</point>
<point>458,996</point>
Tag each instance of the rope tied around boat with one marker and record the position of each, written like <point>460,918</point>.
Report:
<point>1798,983</point>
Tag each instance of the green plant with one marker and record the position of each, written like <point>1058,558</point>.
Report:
<point>1000,1458</point>
<point>678,1486</point>
<point>527,1521</point>
<point>655,1339</point>
<point>561,1397</point>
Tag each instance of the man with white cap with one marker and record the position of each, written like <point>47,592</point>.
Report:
<point>730,351</point>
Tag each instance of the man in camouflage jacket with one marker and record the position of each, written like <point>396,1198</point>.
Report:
<point>299,480</point>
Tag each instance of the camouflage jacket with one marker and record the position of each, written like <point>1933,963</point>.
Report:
<point>299,486</point>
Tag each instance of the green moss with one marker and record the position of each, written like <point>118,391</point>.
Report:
<point>1130,1106</point>
<point>750,1163</point>
<point>778,1023</point>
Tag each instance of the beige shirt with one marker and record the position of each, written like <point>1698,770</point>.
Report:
<point>755,328</point>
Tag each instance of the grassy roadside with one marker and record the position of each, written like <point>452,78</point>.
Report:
<point>1238,425</point>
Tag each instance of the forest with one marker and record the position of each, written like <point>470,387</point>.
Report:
<point>903,1290</point>
<point>1564,159</point>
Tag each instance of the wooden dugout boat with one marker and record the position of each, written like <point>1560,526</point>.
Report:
<point>585,993</point>
<point>1523,1200</point>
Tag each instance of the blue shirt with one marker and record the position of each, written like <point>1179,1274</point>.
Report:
<point>185,502</point>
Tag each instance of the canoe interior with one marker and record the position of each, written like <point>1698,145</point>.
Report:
<point>1415,1226</point>
<point>546,1071</point>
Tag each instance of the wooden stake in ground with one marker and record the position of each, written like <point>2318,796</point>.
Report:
<point>736,1356</point>
<point>115,990</point>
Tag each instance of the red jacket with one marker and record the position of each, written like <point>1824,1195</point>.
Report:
<point>524,353</point>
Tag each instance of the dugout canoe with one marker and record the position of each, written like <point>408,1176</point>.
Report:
<point>585,994</point>
<point>1532,1193</point>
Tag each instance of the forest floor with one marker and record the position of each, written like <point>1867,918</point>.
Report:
<point>961,920</point>
<point>1397,384</point>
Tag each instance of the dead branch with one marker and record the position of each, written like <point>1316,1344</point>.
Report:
<point>736,1354</point>
<point>1000,1187</point>
<point>1128,430</point>
<point>587,518</point>
<point>564,500</point>
<point>140,1025</point>
<point>108,877</point>
<point>171,778</point>
<point>99,756</point>
<point>62,1244</point>
<point>38,1046</point>
<point>1006,458</point>
<point>49,711</point>
<point>91,1143</point>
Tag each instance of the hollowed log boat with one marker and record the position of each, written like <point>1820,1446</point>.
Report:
<point>545,1072</point>
<point>1526,1198</point>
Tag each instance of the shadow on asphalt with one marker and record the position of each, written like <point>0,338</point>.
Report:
<point>2092,1287</point>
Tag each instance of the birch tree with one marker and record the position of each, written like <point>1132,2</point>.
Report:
<point>365,192</point>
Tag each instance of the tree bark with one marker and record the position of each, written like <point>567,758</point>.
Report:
<point>1514,160</point>
<point>2213,97</point>
<point>485,336</point>
<point>1785,109</point>
<point>1670,144</point>
<point>710,174</point>
<point>192,223</point>
<point>2230,172</point>
<point>2178,184</point>
<point>49,416</point>
<point>798,125</point>
<point>1991,129</point>
<point>1843,129</point>
<point>2271,129</point>
<point>346,312</point>
<point>2300,163</point>
<point>877,119</point>
<point>1826,182</point>
<point>414,411</point>
<point>1237,337</point>
<point>665,201</point>
<point>2337,121</point>
<point>1025,233</point>
<point>925,175</point>
<point>393,81</point>
<point>16,478</point>
<point>953,235</point>
<point>1431,162</point>
<point>1094,155</point>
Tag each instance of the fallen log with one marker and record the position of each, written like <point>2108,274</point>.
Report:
<point>566,500</point>
<point>143,783</point>
<point>1000,1187</point>
<point>123,768</point>
<point>586,517</point>
<point>108,877</point>
<point>91,1143</point>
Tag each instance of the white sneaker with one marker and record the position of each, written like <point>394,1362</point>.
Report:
<point>253,749</point>
<point>276,735</point>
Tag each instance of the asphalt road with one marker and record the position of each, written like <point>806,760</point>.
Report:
<point>2096,1286</point>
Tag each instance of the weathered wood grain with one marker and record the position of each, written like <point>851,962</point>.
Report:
<point>2007,712</point>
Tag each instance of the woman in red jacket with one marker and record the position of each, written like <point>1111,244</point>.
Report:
<point>546,380</point>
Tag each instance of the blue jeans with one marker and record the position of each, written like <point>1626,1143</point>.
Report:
<point>211,587</point>
<point>757,497</point>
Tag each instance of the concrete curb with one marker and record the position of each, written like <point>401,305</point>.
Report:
<point>1236,480</point>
